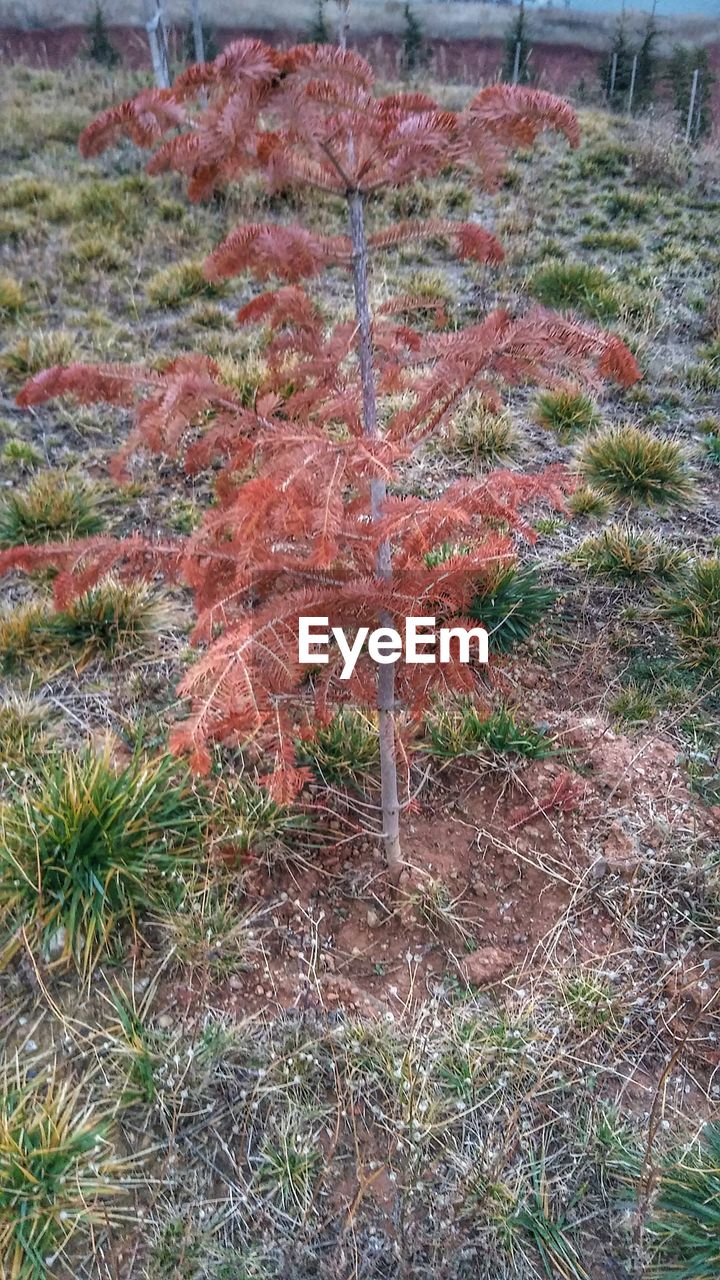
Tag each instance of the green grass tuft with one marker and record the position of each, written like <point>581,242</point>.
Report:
<point>512,605</point>
<point>58,1172</point>
<point>36,351</point>
<point>576,286</point>
<point>463,730</point>
<point>85,848</point>
<point>251,823</point>
<point>684,1228</point>
<point>625,552</point>
<point>568,412</point>
<point>25,642</point>
<point>634,465</point>
<point>483,438</point>
<point>592,503</point>
<point>112,620</point>
<point>345,750</point>
<point>22,730</point>
<point>17,453</point>
<point>12,298</point>
<point>633,706</point>
<point>53,508</point>
<point>182,282</point>
<point>692,608</point>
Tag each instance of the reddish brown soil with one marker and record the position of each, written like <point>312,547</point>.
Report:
<point>342,937</point>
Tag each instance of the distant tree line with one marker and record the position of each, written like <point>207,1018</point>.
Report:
<point>630,71</point>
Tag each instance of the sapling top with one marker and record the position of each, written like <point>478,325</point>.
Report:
<point>311,519</point>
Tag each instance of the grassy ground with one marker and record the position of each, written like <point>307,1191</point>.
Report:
<point>255,1062</point>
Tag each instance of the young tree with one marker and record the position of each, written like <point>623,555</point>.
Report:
<point>516,55</point>
<point>615,69</point>
<point>312,518</point>
<point>318,32</point>
<point>646,69</point>
<point>101,48</point>
<point>414,52</point>
<point>680,70</point>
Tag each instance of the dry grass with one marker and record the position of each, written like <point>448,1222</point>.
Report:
<point>295,1108</point>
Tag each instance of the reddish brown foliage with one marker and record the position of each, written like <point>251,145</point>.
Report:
<point>290,534</point>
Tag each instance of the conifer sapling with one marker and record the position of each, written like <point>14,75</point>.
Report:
<point>311,518</point>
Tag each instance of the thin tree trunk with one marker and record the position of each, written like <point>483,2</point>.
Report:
<point>343,22</point>
<point>386,673</point>
<point>198,38</point>
<point>157,38</point>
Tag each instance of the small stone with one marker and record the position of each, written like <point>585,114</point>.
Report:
<point>165,1021</point>
<point>373,919</point>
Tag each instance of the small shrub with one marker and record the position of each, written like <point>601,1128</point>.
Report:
<point>684,1228</point>
<point>483,437</point>
<point>59,1175</point>
<point>622,551</point>
<point>566,286</point>
<point>343,751</point>
<point>180,283</point>
<point>692,608</point>
<point>12,298</point>
<point>465,731</point>
<point>568,412</point>
<point>86,848</point>
<point>512,605</point>
<point>52,508</point>
<point>628,463</point>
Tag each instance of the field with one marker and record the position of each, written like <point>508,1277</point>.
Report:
<point>252,1056</point>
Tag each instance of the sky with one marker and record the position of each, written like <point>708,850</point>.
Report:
<point>663,8</point>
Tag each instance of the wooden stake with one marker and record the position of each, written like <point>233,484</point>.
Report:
<point>631,94</point>
<point>613,74</point>
<point>516,65</point>
<point>691,111</point>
